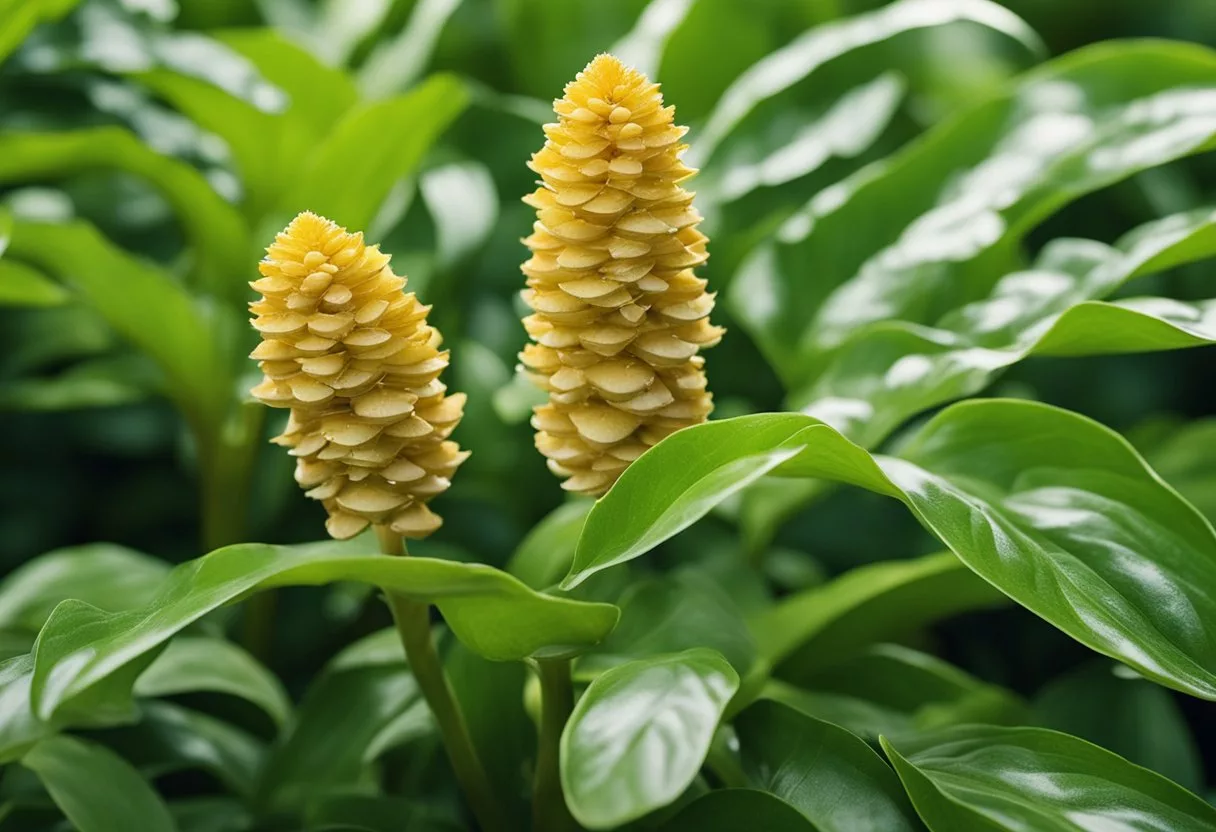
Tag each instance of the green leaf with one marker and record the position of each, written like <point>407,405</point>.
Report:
<point>987,778</point>
<point>395,63</point>
<point>888,689</point>
<point>267,147</point>
<point>795,756</point>
<point>193,663</point>
<point>718,461</point>
<point>146,306</point>
<point>670,614</point>
<point>210,814</point>
<point>18,17</point>
<point>955,222</point>
<point>830,92</point>
<point>22,286</point>
<point>105,381</point>
<point>366,813</point>
<point>19,728</point>
<point>1054,510</point>
<point>1187,461</point>
<point>1131,717</point>
<point>96,789</point>
<point>219,240</point>
<point>490,611</point>
<point>171,738</point>
<point>640,733</point>
<point>547,551</point>
<point>102,574</point>
<point>881,601</point>
<point>889,371</point>
<point>729,810</point>
<point>325,746</point>
<point>461,199</point>
<point>348,176</point>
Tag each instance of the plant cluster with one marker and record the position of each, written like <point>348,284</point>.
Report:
<point>660,651</point>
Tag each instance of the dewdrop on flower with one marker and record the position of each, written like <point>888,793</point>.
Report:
<point>354,359</point>
<point>619,316</point>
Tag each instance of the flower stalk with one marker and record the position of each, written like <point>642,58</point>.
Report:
<point>549,812</point>
<point>413,622</point>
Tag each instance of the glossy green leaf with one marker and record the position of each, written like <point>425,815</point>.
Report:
<point>210,814</point>
<point>170,738</point>
<point>461,199</point>
<point>890,371</point>
<point>729,810</point>
<point>640,733</point>
<point>1054,510</point>
<point>642,47</point>
<point>194,663</point>
<point>545,554</point>
<point>957,203</point>
<point>670,614</point>
<point>830,92</point>
<point>219,240</point>
<point>22,286</point>
<point>1131,717</point>
<point>102,574</point>
<point>490,611</point>
<point>829,775</point>
<point>888,689</point>
<point>873,603</point>
<point>145,305</point>
<point>95,788</point>
<point>720,460</point>
<point>348,176</point>
<point>987,778</point>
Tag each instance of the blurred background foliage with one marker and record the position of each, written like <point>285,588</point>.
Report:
<point>94,450</point>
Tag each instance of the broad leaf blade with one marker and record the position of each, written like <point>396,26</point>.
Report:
<point>640,733</point>
<point>989,778</point>
<point>97,789</point>
<point>795,757</point>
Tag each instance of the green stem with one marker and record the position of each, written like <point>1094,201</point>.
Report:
<point>413,619</point>
<point>723,762</point>
<point>549,812</point>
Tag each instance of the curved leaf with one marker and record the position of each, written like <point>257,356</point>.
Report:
<point>729,810</point>
<point>958,202</point>
<point>795,757</point>
<point>799,60</point>
<point>22,286</point>
<point>667,615</point>
<point>102,574</point>
<point>348,176</point>
<point>493,613</point>
<point>822,625</point>
<point>889,371</point>
<point>894,690</point>
<point>1051,508</point>
<point>640,733</point>
<point>193,663</point>
<point>95,788</point>
<point>146,306</point>
<point>219,240</point>
<point>1187,461</point>
<point>982,777</point>
<point>545,554</point>
<point>1131,717</point>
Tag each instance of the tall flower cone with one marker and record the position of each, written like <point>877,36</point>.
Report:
<point>357,363</point>
<point>618,314</point>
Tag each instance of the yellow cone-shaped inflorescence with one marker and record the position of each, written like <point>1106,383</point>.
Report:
<point>618,315</point>
<point>354,359</point>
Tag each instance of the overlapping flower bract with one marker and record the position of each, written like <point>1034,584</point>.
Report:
<point>618,314</point>
<point>354,359</point>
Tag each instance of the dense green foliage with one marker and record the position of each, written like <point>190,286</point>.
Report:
<point>944,560</point>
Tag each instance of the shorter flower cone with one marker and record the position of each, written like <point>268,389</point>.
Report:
<point>619,317</point>
<point>354,359</point>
